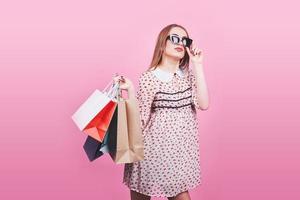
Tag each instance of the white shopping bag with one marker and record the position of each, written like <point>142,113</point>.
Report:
<point>94,104</point>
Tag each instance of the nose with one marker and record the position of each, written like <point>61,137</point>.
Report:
<point>181,43</point>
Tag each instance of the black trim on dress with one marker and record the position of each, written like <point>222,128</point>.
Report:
<point>160,92</point>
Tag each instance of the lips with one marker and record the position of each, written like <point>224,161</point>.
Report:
<point>179,49</point>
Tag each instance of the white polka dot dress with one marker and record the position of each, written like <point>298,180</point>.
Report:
<point>168,106</point>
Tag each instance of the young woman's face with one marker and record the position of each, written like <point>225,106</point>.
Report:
<point>175,50</point>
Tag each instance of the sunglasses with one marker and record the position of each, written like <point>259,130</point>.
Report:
<point>175,39</point>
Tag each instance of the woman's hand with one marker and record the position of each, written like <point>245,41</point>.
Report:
<point>125,83</point>
<point>195,54</point>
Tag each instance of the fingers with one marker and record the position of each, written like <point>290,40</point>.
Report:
<point>197,51</point>
<point>192,45</point>
<point>119,78</point>
<point>194,49</point>
<point>188,50</point>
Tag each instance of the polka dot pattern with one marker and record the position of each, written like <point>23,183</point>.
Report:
<point>170,132</point>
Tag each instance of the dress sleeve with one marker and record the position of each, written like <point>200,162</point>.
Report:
<point>145,95</point>
<point>194,89</point>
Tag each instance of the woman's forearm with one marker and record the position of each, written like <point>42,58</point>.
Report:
<point>202,92</point>
<point>131,93</point>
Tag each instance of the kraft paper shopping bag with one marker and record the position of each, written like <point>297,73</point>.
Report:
<point>135,138</point>
<point>125,140</point>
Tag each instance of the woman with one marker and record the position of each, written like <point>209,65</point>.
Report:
<point>169,94</point>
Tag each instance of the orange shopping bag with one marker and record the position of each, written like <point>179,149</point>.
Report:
<point>99,125</point>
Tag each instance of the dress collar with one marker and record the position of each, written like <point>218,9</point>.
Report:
<point>166,76</point>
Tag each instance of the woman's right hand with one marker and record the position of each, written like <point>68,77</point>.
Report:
<point>125,83</point>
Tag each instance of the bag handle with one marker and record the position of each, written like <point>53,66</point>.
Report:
<point>109,84</point>
<point>118,92</point>
<point>114,90</point>
<point>110,88</point>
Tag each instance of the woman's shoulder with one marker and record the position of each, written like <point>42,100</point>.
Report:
<point>149,70</point>
<point>147,80</point>
<point>146,75</point>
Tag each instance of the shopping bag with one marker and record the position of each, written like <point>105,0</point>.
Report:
<point>94,149</point>
<point>125,140</point>
<point>113,123</point>
<point>97,128</point>
<point>135,138</point>
<point>94,115</point>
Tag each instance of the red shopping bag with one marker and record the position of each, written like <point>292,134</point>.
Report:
<point>99,125</point>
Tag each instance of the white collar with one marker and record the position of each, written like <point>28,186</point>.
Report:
<point>166,76</point>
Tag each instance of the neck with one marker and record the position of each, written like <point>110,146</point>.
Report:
<point>169,63</point>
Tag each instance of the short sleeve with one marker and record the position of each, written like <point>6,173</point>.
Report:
<point>194,89</point>
<point>145,96</point>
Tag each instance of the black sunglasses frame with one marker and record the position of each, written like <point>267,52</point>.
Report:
<point>188,40</point>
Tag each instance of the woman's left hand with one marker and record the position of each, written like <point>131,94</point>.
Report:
<point>195,54</point>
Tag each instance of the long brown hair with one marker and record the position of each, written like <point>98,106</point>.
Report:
<point>161,44</point>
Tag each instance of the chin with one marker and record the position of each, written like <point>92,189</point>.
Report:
<point>178,55</point>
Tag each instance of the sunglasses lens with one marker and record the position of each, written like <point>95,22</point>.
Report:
<point>188,42</point>
<point>175,39</point>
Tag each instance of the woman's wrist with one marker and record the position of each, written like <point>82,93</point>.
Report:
<point>197,64</point>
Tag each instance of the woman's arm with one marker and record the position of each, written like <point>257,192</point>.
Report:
<point>143,97</point>
<point>198,79</point>
<point>131,93</point>
<point>201,87</point>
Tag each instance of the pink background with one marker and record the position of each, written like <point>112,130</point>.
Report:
<point>54,54</point>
